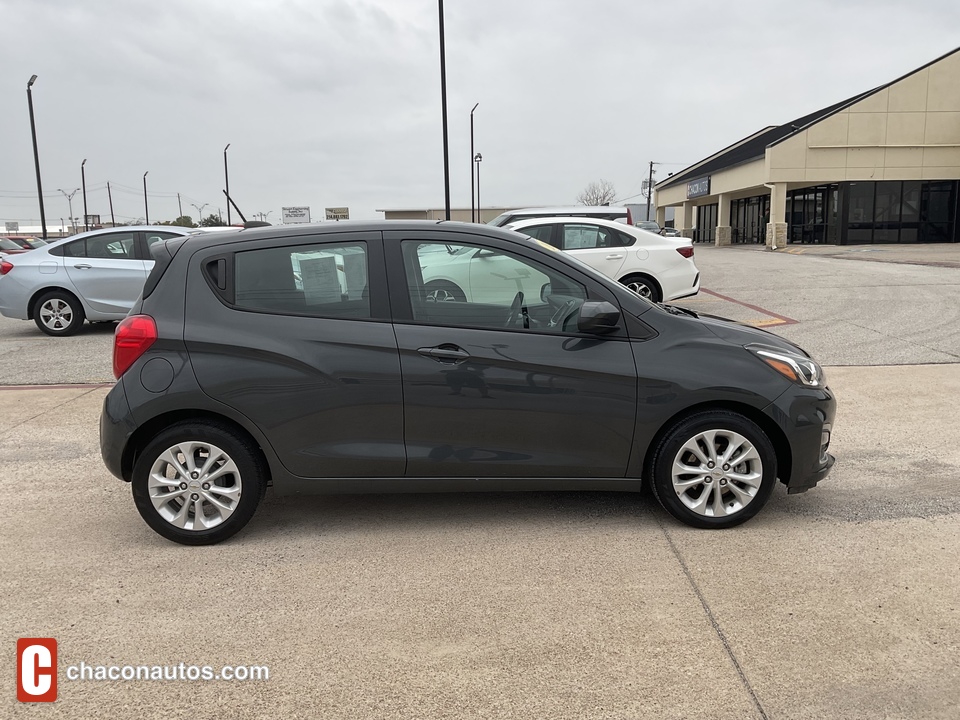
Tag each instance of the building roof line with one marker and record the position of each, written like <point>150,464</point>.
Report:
<point>755,146</point>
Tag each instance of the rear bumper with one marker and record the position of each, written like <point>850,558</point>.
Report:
<point>116,427</point>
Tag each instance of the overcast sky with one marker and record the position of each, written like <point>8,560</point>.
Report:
<point>337,102</point>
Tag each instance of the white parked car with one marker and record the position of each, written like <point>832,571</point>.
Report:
<point>656,267</point>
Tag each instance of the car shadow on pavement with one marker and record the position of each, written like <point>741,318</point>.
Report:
<point>318,515</point>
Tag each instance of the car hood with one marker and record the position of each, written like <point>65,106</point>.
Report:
<point>740,334</point>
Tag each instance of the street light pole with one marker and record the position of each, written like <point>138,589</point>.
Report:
<point>146,208</point>
<point>226,179</point>
<point>83,183</point>
<point>36,154</point>
<point>473,217</point>
<point>113,221</point>
<point>69,197</point>
<point>443,103</point>
<point>199,211</point>
<point>478,158</point>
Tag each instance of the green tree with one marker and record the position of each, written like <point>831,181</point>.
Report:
<point>182,221</point>
<point>212,220</point>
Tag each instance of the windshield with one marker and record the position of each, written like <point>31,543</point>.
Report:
<point>499,219</point>
<point>6,244</point>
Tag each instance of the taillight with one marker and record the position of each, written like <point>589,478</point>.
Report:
<point>5,267</point>
<point>686,251</point>
<point>629,217</point>
<point>133,337</point>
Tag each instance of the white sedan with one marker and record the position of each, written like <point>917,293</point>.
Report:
<point>656,267</point>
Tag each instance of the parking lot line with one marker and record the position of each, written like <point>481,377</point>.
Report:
<point>76,386</point>
<point>784,320</point>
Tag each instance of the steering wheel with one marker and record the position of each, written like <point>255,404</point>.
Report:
<point>518,312</point>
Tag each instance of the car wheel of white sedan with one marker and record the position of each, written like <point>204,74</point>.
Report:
<point>643,286</point>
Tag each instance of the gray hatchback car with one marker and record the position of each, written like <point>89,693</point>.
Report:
<point>318,360</point>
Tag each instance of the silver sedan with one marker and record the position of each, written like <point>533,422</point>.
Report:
<point>93,276</point>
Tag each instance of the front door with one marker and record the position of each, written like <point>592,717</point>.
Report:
<point>497,382</point>
<point>106,271</point>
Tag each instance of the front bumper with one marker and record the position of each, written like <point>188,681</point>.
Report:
<point>806,416</point>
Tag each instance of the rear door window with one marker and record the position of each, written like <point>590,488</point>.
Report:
<point>323,280</point>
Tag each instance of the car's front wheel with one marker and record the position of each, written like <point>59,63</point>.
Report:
<point>714,469</point>
<point>198,483</point>
<point>643,286</point>
<point>58,313</point>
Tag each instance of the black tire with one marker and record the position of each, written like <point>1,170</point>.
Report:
<point>249,480</point>
<point>719,489</point>
<point>444,291</point>
<point>643,285</point>
<point>58,313</point>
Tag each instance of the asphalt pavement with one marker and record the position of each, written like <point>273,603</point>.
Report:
<point>843,602</point>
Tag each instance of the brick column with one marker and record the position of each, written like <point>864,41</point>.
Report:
<point>777,226</point>
<point>686,220</point>
<point>724,231</point>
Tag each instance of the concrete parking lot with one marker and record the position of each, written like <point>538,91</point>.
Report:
<point>843,602</point>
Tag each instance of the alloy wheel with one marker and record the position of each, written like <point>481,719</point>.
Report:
<point>194,485</point>
<point>56,314</point>
<point>717,473</point>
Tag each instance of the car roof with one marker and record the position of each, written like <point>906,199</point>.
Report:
<point>527,222</point>
<point>197,241</point>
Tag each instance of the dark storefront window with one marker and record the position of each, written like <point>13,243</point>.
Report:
<point>891,211</point>
<point>706,230</point>
<point>812,214</point>
<point>749,218</point>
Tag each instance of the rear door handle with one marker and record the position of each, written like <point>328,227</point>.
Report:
<point>445,353</point>
<point>83,266</point>
<point>614,257</point>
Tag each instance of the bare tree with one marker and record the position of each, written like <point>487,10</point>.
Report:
<point>597,193</point>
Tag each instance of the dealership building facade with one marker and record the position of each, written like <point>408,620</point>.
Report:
<point>881,167</point>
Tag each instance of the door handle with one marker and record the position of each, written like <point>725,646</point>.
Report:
<point>83,266</point>
<point>445,353</point>
<point>615,257</point>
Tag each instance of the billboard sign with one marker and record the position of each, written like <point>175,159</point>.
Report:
<point>293,215</point>
<point>338,213</point>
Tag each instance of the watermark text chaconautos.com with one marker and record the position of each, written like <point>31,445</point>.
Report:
<point>38,670</point>
<point>182,671</point>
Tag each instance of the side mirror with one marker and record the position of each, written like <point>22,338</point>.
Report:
<point>545,291</point>
<point>598,317</point>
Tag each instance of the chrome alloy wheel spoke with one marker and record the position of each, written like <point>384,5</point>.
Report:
<point>194,485</point>
<point>717,473</point>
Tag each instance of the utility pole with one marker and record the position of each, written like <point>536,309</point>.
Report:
<point>179,204</point>
<point>113,220</point>
<point>226,180</point>
<point>649,190</point>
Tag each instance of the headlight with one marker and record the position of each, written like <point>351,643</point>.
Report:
<point>795,367</point>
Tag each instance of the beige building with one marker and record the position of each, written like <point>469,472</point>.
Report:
<point>459,214</point>
<point>881,167</point>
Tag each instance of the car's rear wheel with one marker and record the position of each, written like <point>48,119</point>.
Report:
<point>714,469</point>
<point>58,313</point>
<point>198,483</point>
<point>644,287</point>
